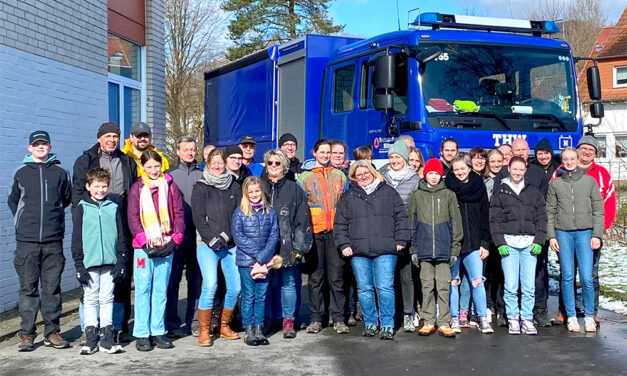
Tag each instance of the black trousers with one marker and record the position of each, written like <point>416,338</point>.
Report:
<point>122,290</point>
<point>325,262</point>
<point>494,283</point>
<point>542,281</point>
<point>183,258</point>
<point>35,263</point>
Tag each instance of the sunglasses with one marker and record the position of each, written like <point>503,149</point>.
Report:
<point>274,163</point>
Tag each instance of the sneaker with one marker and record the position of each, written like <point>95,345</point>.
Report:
<point>408,324</point>
<point>559,319</point>
<point>176,333</point>
<point>542,319</point>
<point>288,329</point>
<point>485,326</point>
<point>144,344</point>
<point>370,331</point>
<point>91,341</point>
<point>340,328</point>
<point>590,326</point>
<point>474,320</point>
<point>573,325</point>
<point>352,321</point>
<point>330,321</point>
<point>463,319</point>
<point>162,342</point>
<point>387,333</point>
<point>55,340</point>
<point>416,320</point>
<point>501,320</point>
<point>107,343</point>
<point>195,332</point>
<point>514,326</point>
<point>597,321</point>
<point>455,325</point>
<point>426,330</point>
<point>446,331</point>
<point>26,344</point>
<point>527,327</point>
<point>125,337</point>
<point>314,327</point>
<point>489,315</point>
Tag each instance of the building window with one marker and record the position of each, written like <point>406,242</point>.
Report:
<point>343,89</point>
<point>621,146</point>
<point>602,146</point>
<point>620,77</point>
<point>124,58</point>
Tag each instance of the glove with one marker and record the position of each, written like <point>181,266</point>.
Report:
<point>504,250</point>
<point>415,260</point>
<point>536,249</point>
<point>219,242</point>
<point>453,260</point>
<point>118,273</point>
<point>163,251</point>
<point>83,276</point>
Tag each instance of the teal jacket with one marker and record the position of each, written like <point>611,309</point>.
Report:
<point>96,241</point>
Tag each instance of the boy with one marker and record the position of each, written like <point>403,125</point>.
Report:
<point>39,191</point>
<point>436,227</point>
<point>99,253</point>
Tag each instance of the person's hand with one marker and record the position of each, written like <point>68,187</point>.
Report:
<point>83,276</point>
<point>483,253</point>
<point>536,249</point>
<point>163,251</point>
<point>399,248</point>
<point>118,273</point>
<point>347,252</point>
<point>453,260</point>
<point>217,243</point>
<point>595,243</point>
<point>503,250</point>
<point>415,260</point>
<point>554,245</point>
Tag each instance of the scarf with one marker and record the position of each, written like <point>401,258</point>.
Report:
<point>397,177</point>
<point>470,191</point>
<point>154,226</point>
<point>257,206</point>
<point>372,186</point>
<point>222,182</point>
<point>344,165</point>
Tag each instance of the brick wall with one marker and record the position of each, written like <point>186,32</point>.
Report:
<point>155,70</point>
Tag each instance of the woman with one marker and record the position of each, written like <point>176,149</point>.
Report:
<point>518,227</point>
<point>416,161</point>
<point>493,167</point>
<point>400,176</point>
<point>473,204</point>
<point>156,219</point>
<point>478,156</point>
<point>295,238</point>
<point>371,227</point>
<point>575,216</point>
<point>214,198</point>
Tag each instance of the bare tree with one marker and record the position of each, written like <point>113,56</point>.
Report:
<point>194,34</point>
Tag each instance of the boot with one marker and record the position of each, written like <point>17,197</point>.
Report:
<point>249,336</point>
<point>204,320</point>
<point>225,320</point>
<point>261,339</point>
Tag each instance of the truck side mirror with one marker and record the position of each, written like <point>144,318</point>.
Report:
<point>384,72</point>
<point>596,110</point>
<point>383,102</point>
<point>594,83</point>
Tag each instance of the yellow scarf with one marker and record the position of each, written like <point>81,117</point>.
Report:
<point>154,226</point>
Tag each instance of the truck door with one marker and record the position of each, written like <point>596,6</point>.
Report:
<point>291,98</point>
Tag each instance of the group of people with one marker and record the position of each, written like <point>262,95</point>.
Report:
<point>446,243</point>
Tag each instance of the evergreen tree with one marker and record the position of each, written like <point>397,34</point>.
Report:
<point>256,24</point>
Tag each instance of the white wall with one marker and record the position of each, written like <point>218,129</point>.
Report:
<point>614,123</point>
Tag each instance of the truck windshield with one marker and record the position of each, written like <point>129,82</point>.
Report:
<point>501,87</point>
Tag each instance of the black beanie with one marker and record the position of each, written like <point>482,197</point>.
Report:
<point>232,149</point>
<point>108,128</point>
<point>287,137</point>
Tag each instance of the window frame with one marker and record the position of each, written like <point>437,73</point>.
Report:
<point>622,145</point>
<point>335,91</point>
<point>615,83</point>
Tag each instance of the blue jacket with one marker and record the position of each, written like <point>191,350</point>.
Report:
<point>256,237</point>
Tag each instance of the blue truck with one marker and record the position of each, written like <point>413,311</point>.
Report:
<point>483,81</point>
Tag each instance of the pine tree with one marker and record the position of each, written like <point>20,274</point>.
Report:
<point>257,24</point>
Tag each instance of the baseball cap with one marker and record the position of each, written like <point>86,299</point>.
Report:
<point>38,136</point>
<point>247,140</point>
<point>140,127</point>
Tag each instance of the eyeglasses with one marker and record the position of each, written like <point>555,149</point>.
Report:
<point>142,135</point>
<point>235,158</point>
<point>246,146</point>
<point>273,163</point>
<point>363,176</point>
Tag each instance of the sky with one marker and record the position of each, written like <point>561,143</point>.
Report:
<point>367,18</point>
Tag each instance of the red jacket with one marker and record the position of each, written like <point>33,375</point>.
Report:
<point>606,188</point>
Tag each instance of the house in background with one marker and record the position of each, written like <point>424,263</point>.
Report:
<point>610,50</point>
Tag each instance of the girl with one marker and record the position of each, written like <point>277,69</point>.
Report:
<point>156,219</point>
<point>214,199</point>
<point>493,167</point>
<point>416,161</point>
<point>256,233</point>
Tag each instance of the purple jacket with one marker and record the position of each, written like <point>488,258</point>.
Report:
<point>175,209</point>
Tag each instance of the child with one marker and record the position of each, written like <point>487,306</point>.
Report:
<point>436,228</point>
<point>99,253</point>
<point>39,191</point>
<point>256,233</point>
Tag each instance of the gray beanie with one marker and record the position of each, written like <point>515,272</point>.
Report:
<point>400,148</point>
<point>589,140</point>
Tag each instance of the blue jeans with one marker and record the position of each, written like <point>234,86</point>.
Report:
<point>576,243</point>
<point>283,292</point>
<point>98,298</point>
<point>464,294</point>
<point>151,277</point>
<point>473,266</point>
<point>520,264</point>
<point>253,298</point>
<point>208,261</point>
<point>375,274</point>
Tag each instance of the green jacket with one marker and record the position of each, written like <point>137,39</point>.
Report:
<point>435,222</point>
<point>574,203</point>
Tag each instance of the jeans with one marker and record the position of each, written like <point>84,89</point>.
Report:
<point>464,293</point>
<point>473,266</point>
<point>183,257</point>
<point>376,275</point>
<point>403,268</point>
<point>436,279</point>
<point>35,263</point>
<point>283,291</point>
<point>151,277</point>
<point>520,264</point>
<point>577,243</point>
<point>326,262</point>
<point>208,261</point>
<point>253,298</point>
<point>98,298</point>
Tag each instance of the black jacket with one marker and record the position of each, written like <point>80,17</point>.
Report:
<point>185,176</point>
<point>290,203</point>
<point>213,208</point>
<point>535,176</point>
<point>474,208</point>
<point>91,159</point>
<point>517,214</point>
<point>38,194</point>
<point>292,173</point>
<point>372,225</point>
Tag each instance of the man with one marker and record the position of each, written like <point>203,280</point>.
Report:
<point>185,175</point>
<point>38,192</point>
<point>234,163</point>
<point>107,155</point>
<point>248,145</point>
<point>448,151</point>
<point>138,143</point>
<point>544,157</point>
<point>506,150</point>
<point>289,144</point>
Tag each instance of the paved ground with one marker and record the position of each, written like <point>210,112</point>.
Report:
<point>553,352</point>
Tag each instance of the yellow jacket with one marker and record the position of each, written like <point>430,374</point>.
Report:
<point>128,150</point>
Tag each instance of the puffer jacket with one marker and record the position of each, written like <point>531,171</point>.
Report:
<point>212,210</point>
<point>290,203</point>
<point>323,186</point>
<point>405,187</point>
<point>517,214</point>
<point>574,203</point>
<point>255,236</point>
<point>435,223</point>
<point>371,224</point>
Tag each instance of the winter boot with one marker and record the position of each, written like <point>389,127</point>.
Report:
<point>91,341</point>
<point>225,320</point>
<point>107,343</point>
<point>249,336</point>
<point>261,339</point>
<point>204,321</point>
